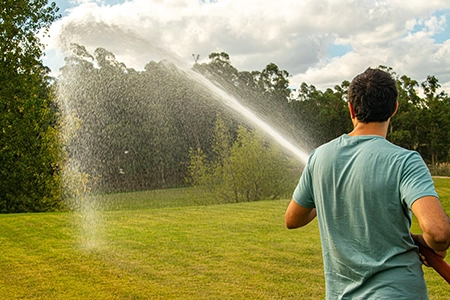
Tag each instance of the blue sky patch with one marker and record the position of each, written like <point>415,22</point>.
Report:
<point>338,50</point>
<point>444,35</point>
<point>441,36</point>
<point>65,4</point>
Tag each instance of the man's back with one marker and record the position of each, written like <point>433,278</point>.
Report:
<point>362,188</point>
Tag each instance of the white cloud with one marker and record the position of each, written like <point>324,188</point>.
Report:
<point>295,35</point>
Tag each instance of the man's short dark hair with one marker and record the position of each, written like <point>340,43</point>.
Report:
<point>373,96</point>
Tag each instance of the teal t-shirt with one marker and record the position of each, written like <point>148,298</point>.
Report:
<point>363,188</point>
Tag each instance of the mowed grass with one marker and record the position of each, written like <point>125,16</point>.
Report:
<point>142,248</point>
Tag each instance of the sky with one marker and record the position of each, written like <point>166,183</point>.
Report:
<point>320,42</point>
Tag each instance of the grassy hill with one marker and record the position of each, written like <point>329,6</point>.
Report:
<point>168,245</point>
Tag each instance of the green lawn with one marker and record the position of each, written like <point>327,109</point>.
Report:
<point>142,247</point>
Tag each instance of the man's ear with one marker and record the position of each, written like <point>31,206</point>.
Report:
<point>396,108</point>
<point>352,112</point>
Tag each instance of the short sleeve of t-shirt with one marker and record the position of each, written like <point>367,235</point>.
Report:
<point>416,181</point>
<point>303,193</point>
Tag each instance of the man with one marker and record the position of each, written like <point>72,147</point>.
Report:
<point>362,189</point>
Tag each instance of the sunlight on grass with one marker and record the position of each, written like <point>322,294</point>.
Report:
<point>149,249</point>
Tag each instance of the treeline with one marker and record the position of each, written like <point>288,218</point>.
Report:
<point>314,117</point>
<point>131,130</point>
<point>136,128</point>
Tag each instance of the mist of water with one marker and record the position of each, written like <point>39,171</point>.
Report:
<point>89,210</point>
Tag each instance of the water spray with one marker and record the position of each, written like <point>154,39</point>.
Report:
<point>216,92</point>
<point>234,104</point>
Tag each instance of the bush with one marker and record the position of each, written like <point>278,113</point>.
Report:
<point>440,169</point>
<point>250,169</point>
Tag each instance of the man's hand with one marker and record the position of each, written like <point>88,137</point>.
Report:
<point>418,239</point>
<point>431,258</point>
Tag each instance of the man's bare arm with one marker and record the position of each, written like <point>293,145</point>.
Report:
<point>433,222</point>
<point>297,216</point>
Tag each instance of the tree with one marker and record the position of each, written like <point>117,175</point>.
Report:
<point>322,115</point>
<point>436,115</point>
<point>405,126</point>
<point>275,84</point>
<point>422,123</point>
<point>30,157</point>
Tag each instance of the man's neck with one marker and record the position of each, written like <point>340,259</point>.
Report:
<point>372,128</point>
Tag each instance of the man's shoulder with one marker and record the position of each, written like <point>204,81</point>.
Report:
<point>347,145</point>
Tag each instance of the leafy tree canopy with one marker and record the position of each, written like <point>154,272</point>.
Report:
<point>29,145</point>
